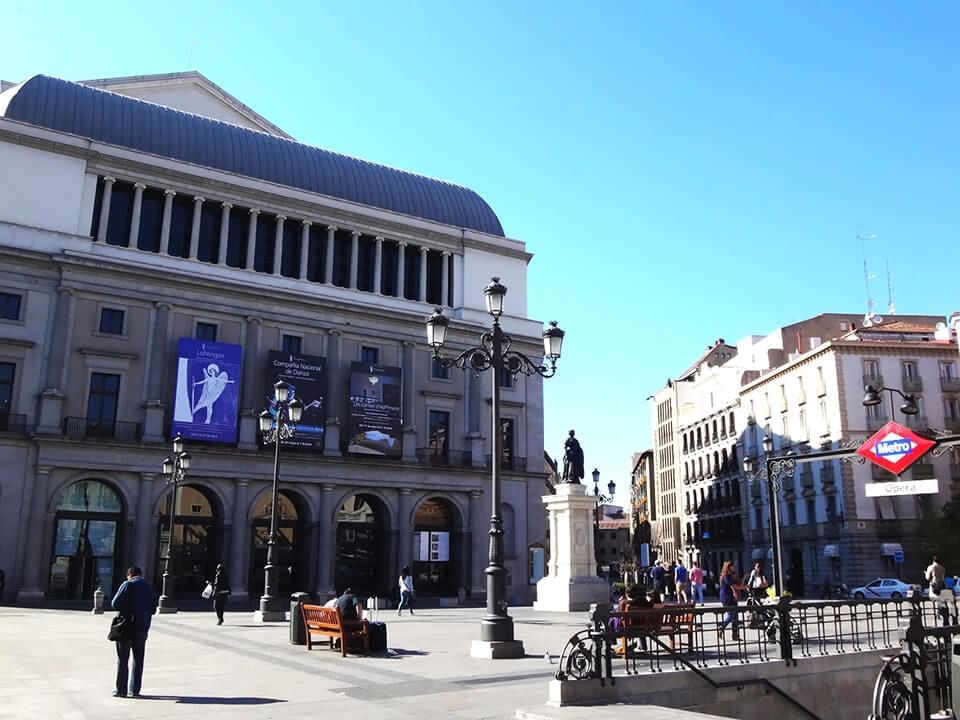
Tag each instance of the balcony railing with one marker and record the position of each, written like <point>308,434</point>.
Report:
<point>826,475</point>
<point>433,458</point>
<point>875,380</point>
<point>517,464</point>
<point>923,471</point>
<point>13,422</point>
<point>912,384</point>
<point>953,424</point>
<point>806,478</point>
<point>875,423</point>
<point>918,422</point>
<point>117,430</point>
<point>950,384</point>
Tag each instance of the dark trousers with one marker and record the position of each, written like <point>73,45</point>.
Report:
<point>138,645</point>
<point>219,603</point>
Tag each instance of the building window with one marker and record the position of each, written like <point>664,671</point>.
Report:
<point>506,378</point>
<point>948,370</point>
<point>111,321</point>
<point>439,371</point>
<point>507,438</point>
<point>369,355</point>
<point>811,512</point>
<point>292,344</point>
<point>266,243</point>
<point>824,417</point>
<point>791,513</point>
<point>10,306</point>
<point>206,331</point>
<point>103,398</point>
<point>7,370</point>
<point>439,427</point>
<point>831,506</point>
<point>910,371</point>
<point>951,408</point>
<point>871,369</point>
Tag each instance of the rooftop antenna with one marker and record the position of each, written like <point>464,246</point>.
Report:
<point>871,318</point>
<point>890,309</point>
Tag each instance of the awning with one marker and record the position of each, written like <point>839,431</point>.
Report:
<point>891,549</point>
<point>831,551</point>
<point>757,554</point>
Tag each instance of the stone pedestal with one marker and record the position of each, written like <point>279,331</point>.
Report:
<point>571,583</point>
<point>51,405</point>
<point>269,616</point>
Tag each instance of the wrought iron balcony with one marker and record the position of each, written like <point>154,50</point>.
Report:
<point>827,476</point>
<point>952,423</point>
<point>434,458</point>
<point>517,464</point>
<point>918,422</point>
<point>12,422</point>
<point>950,384</point>
<point>875,423</point>
<point>806,478</point>
<point>875,380</point>
<point>923,471</point>
<point>93,428</point>
<point>912,384</point>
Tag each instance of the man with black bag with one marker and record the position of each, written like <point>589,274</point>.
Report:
<point>135,601</point>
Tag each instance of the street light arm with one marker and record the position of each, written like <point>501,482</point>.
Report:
<point>484,357</point>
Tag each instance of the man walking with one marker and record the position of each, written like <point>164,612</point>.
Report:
<point>696,582</point>
<point>135,599</point>
<point>935,576</point>
<point>680,579</point>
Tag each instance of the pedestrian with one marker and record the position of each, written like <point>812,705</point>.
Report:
<point>657,574</point>
<point>405,583</point>
<point>221,591</point>
<point>728,598</point>
<point>135,599</point>
<point>349,606</point>
<point>696,582</point>
<point>670,586</point>
<point>935,575</point>
<point>681,579</point>
<point>756,583</point>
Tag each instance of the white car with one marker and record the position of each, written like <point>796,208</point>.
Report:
<point>883,588</point>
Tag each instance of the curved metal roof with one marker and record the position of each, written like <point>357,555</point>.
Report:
<point>115,119</point>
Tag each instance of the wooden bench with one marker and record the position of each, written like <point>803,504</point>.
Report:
<point>321,620</point>
<point>658,621</point>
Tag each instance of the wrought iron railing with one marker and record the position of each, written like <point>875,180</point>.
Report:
<point>451,458</point>
<point>86,427</point>
<point>686,637</point>
<point>517,464</point>
<point>12,422</point>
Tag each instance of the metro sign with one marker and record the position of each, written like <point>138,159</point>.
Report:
<point>895,448</point>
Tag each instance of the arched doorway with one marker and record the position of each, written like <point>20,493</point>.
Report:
<point>197,540</point>
<point>87,531</point>
<point>435,570</point>
<point>291,543</point>
<point>362,560</point>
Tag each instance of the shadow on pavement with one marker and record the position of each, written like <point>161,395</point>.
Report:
<point>205,700</point>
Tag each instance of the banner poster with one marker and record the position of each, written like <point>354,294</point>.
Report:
<point>306,376</point>
<point>375,412</point>
<point>207,393</point>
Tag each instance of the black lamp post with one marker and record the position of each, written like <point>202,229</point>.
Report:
<point>776,469</point>
<point>277,423</point>
<point>871,397</point>
<point>174,472</point>
<point>494,354</point>
<point>601,501</point>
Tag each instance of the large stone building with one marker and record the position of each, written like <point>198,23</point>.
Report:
<point>165,255</point>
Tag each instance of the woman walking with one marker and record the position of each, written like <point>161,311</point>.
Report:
<point>728,598</point>
<point>406,590</point>
<point>221,591</point>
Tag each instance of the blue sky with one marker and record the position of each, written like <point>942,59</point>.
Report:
<point>681,171</point>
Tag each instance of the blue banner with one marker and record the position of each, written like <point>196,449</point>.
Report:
<point>207,393</point>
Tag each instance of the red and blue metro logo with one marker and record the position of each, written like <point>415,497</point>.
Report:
<point>895,448</point>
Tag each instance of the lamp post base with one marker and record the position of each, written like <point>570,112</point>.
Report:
<point>269,616</point>
<point>167,609</point>
<point>496,650</point>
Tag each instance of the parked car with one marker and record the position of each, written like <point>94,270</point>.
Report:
<point>883,588</point>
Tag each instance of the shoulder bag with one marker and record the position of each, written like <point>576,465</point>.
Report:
<point>121,628</point>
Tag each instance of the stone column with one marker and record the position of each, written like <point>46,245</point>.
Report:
<point>478,553</point>
<point>422,296</point>
<point>168,196</point>
<point>252,238</point>
<point>34,541</point>
<point>458,281</point>
<point>304,248</point>
<point>326,545</point>
<point>59,341</point>
<point>153,430</point>
<point>401,275</point>
<point>409,408</point>
<point>328,267</point>
<point>142,532</point>
<point>445,280</point>
<point>251,403</point>
<point>331,442</point>
<point>239,543</point>
<point>195,227</point>
<point>378,265</point>
<point>404,536</point>
<point>224,233</point>
<point>138,189</point>
<point>278,245</point>
<point>105,208</point>
<point>354,256</point>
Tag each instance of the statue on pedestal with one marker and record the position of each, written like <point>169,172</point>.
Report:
<point>572,460</point>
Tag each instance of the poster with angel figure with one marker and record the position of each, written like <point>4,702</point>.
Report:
<point>207,393</point>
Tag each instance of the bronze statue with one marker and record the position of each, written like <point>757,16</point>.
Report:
<point>572,460</point>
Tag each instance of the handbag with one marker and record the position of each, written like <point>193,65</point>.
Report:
<point>121,628</point>
<point>207,592</point>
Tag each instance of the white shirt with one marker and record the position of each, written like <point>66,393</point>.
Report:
<point>406,583</point>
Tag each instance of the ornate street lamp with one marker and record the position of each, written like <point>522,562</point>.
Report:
<point>871,397</point>
<point>494,353</point>
<point>601,501</point>
<point>174,473</point>
<point>277,423</point>
<point>776,469</point>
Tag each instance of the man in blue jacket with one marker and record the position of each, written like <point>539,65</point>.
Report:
<point>135,598</point>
